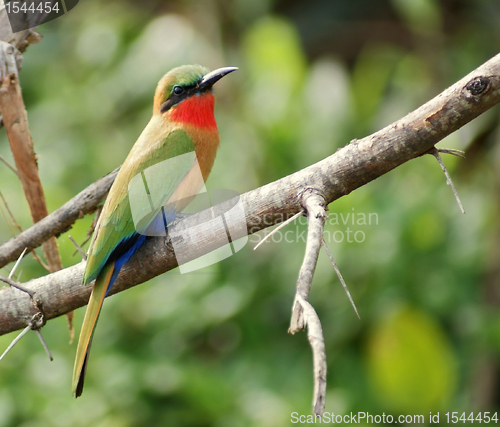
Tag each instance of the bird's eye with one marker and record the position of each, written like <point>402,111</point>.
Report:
<point>178,90</point>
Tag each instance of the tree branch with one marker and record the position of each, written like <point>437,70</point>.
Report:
<point>21,144</point>
<point>316,215</point>
<point>15,120</point>
<point>58,221</point>
<point>354,165</point>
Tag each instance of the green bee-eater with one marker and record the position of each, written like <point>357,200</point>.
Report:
<point>182,127</point>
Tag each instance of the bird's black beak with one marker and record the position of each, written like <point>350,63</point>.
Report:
<point>209,79</point>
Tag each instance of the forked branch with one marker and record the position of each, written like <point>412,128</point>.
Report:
<point>303,313</point>
<point>37,321</point>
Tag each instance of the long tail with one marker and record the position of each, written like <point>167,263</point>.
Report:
<point>89,322</point>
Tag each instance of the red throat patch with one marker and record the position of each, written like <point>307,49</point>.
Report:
<point>197,110</point>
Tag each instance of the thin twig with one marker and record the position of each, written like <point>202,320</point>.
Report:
<point>13,283</point>
<point>16,225</point>
<point>435,153</point>
<point>279,227</point>
<point>452,151</point>
<point>17,286</point>
<point>12,230</point>
<point>82,245</point>
<point>4,160</point>
<point>20,230</point>
<point>17,263</point>
<point>36,322</point>
<point>40,261</point>
<point>78,247</point>
<point>44,344</point>
<point>16,340</point>
<point>339,275</point>
<point>90,231</point>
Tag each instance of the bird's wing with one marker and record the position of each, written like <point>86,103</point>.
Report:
<point>146,180</point>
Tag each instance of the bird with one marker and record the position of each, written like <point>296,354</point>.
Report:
<point>180,143</point>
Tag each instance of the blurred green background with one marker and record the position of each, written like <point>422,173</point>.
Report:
<point>211,348</point>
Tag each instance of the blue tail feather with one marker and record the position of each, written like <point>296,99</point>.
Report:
<point>124,257</point>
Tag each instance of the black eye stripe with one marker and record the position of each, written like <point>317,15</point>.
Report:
<point>178,94</point>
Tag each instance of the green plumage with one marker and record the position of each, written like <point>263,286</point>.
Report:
<point>164,170</point>
<point>116,224</point>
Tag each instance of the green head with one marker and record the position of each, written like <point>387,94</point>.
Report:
<point>183,82</point>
